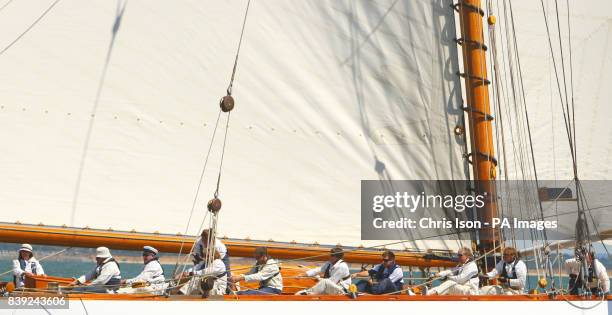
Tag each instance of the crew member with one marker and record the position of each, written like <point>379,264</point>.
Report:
<point>335,275</point>
<point>25,265</point>
<point>266,271</point>
<point>151,279</point>
<point>461,280</point>
<point>596,277</point>
<point>106,276</point>
<point>511,275</point>
<point>386,277</point>
<point>201,245</point>
<point>199,275</point>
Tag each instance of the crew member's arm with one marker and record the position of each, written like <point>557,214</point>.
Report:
<point>107,272</point>
<point>17,269</point>
<point>265,273</point>
<point>86,277</point>
<point>314,271</point>
<point>468,271</point>
<point>445,273</point>
<point>146,274</point>
<point>39,268</point>
<point>496,271</point>
<point>341,271</point>
<point>602,276</point>
<point>218,267</point>
<point>396,275</point>
<point>521,276</point>
<point>365,273</point>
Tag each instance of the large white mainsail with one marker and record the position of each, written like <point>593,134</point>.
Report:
<point>588,30</point>
<point>590,39</point>
<point>328,93</point>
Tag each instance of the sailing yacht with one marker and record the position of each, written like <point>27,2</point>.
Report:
<point>113,133</point>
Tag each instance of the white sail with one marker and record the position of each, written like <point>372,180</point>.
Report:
<point>328,93</point>
<point>591,69</point>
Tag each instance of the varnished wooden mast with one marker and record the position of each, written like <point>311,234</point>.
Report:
<point>74,237</point>
<point>482,153</point>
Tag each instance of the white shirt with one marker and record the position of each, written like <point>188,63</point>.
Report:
<point>108,271</point>
<point>18,272</point>
<point>337,272</point>
<point>152,273</point>
<point>464,275</point>
<point>521,273</point>
<point>573,267</point>
<point>219,246</point>
<point>217,268</point>
<point>265,272</point>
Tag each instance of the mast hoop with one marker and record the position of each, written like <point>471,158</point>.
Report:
<point>481,154</point>
<point>488,117</point>
<point>483,80</point>
<point>477,44</point>
<point>472,8</point>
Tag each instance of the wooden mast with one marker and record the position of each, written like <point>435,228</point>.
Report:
<point>482,155</point>
<point>75,237</point>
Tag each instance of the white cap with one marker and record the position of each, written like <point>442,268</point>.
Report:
<point>103,252</point>
<point>150,249</point>
<point>26,248</point>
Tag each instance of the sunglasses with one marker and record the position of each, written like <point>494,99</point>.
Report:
<point>387,260</point>
<point>460,255</point>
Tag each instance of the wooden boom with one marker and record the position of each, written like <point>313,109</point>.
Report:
<point>85,237</point>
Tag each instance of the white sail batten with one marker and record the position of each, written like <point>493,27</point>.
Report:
<point>328,93</point>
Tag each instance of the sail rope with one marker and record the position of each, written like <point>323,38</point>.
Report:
<point>215,204</point>
<point>29,27</point>
<point>5,5</point>
<point>195,199</point>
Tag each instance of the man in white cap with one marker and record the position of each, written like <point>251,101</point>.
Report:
<point>25,265</point>
<point>151,279</point>
<point>105,278</point>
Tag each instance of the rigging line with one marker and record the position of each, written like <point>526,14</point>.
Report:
<point>571,126</point>
<point>195,199</point>
<point>556,215</point>
<point>567,130</point>
<point>517,138</point>
<point>569,38</point>
<point>222,154</point>
<point>502,93</point>
<point>29,27</point>
<point>5,5</point>
<point>246,14</point>
<point>584,199</point>
<point>520,72</point>
<point>84,308</point>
